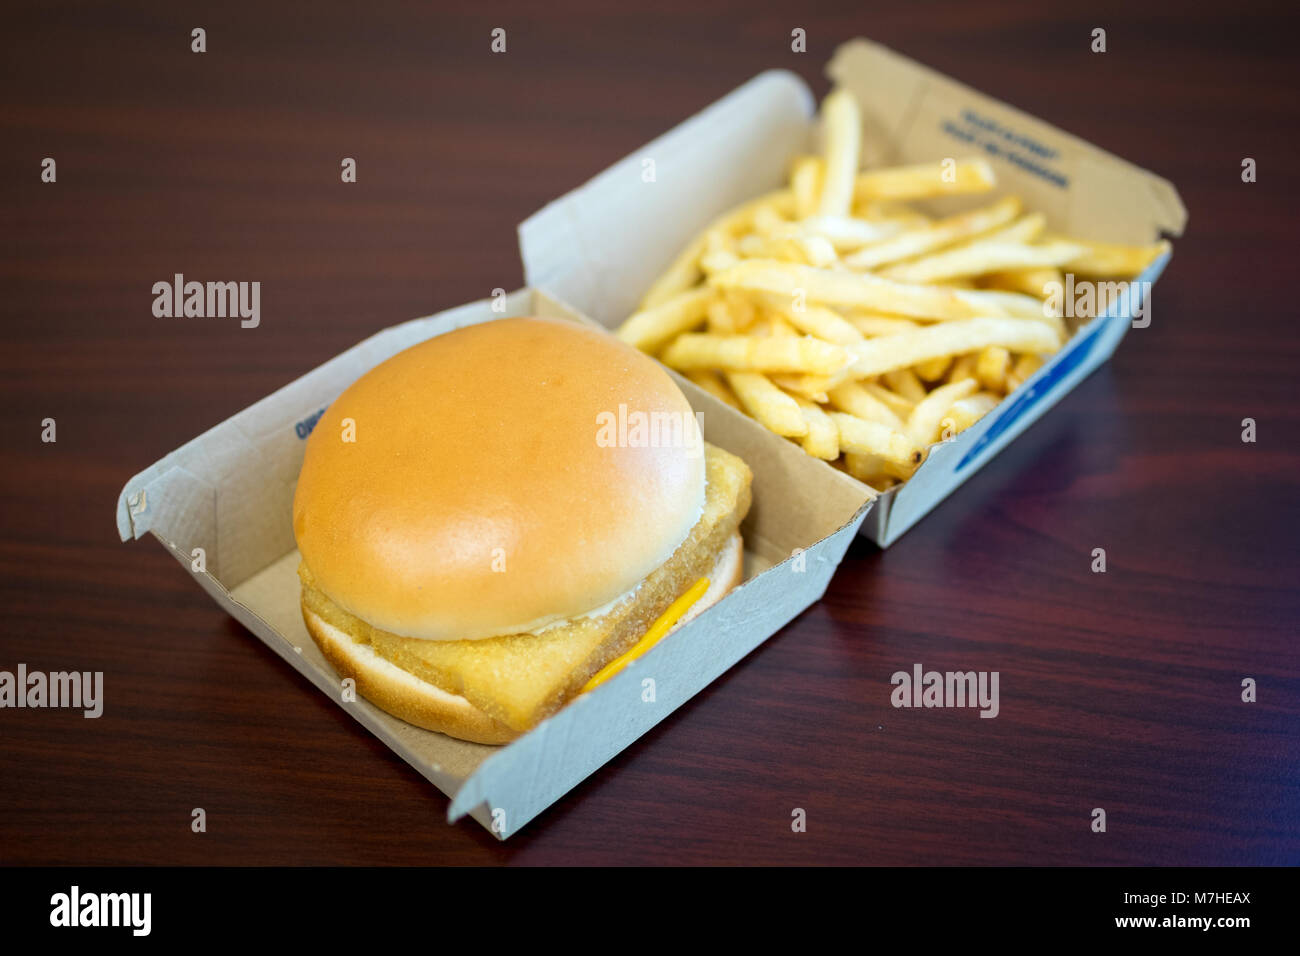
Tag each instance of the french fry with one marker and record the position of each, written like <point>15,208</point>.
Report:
<point>720,319</point>
<point>825,324</point>
<point>963,366</point>
<point>650,328</point>
<point>811,387</point>
<point>934,369</point>
<point>965,412</point>
<point>1033,282</point>
<point>684,271</point>
<point>767,404</point>
<point>681,274</point>
<point>729,315</point>
<point>878,211</point>
<point>923,424</point>
<point>823,438</point>
<point>906,383</point>
<point>877,356</point>
<point>844,289</point>
<point>942,233</point>
<point>856,400</point>
<point>926,180</point>
<point>1112,260</point>
<point>806,176</point>
<point>807,250</point>
<point>712,383</point>
<point>1025,229</point>
<point>842,135</point>
<point>872,325</point>
<point>987,255</point>
<point>997,302</point>
<point>767,221</point>
<point>743,310</point>
<point>862,467</point>
<point>779,327</point>
<point>895,402</point>
<point>895,448</point>
<point>842,232</point>
<point>872,471</point>
<point>740,217</point>
<point>751,353</point>
<point>991,367</point>
<point>719,260</point>
<point>1025,367</point>
<point>719,240</point>
<point>993,302</point>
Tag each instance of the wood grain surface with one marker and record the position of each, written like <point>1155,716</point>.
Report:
<point>1118,690</point>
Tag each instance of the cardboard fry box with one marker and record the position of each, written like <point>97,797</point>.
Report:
<point>230,492</point>
<point>627,230</point>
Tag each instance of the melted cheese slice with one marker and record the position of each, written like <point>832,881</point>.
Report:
<point>654,635</point>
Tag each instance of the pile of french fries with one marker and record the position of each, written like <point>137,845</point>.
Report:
<point>857,326</point>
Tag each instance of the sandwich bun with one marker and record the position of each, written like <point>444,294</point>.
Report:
<point>459,490</point>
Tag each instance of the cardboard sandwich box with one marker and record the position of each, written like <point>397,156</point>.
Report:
<point>742,147</point>
<point>590,256</point>
<point>230,492</point>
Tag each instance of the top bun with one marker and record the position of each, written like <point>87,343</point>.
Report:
<point>485,487</point>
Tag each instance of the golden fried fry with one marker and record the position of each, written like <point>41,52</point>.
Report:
<point>844,289</point>
<point>776,353</point>
<point>712,383</point>
<point>877,356</point>
<point>924,423</point>
<point>651,328</point>
<point>767,404</point>
<point>842,135</point>
<point>945,232</point>
<point>927,180</point>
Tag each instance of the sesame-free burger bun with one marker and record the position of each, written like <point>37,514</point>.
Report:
<point>464,488</point>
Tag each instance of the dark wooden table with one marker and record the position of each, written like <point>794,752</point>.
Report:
<point>1119,690</point>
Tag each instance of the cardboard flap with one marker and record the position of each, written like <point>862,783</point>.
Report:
<point>913,114</point>
<point>600,246</point>
<point>205,495</point>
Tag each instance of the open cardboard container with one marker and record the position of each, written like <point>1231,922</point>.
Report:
<point>627,230</point>
<point>230,492</point>
<point>589,256</point>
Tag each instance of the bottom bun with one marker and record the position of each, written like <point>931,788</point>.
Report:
<point>418,702</point>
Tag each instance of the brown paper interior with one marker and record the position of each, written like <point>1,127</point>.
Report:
<point>910,113</point>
